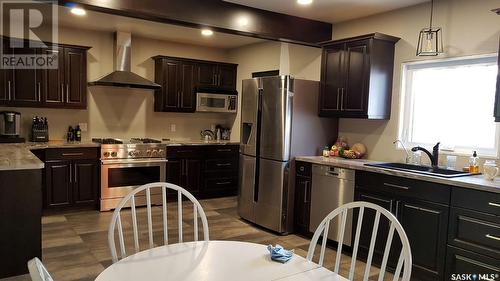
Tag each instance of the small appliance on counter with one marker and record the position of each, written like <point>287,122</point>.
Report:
<point>40,129</point>
<point>10,127</point>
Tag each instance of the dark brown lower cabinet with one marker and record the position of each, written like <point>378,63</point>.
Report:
<point>205,171</point>
<point>460,263</point>
<point>72,178</point>
<point>425,222</point>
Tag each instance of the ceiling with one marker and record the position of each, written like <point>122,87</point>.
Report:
<point>149,29</point>
<point>332,11</point>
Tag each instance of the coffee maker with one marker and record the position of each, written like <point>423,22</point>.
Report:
<point>10,126</point>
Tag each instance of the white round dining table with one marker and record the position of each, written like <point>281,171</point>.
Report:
<point>210,260</point>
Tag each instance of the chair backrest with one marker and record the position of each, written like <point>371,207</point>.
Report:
<point>130,200</point>
<point>38,272</point>
<point>322,230</point>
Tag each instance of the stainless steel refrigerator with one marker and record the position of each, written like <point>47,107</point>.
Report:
<point>279,120</point>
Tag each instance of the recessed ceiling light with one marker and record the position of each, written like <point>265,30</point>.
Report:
<point>304,2</point>
<point>207,32</point>
<point>78,11</point>
<point>243,21</point>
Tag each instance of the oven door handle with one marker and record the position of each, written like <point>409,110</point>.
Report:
<point>111,162</point>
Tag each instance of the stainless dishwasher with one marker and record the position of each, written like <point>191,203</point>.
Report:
<point>331,187</point>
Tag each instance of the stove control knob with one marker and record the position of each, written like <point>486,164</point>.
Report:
<point>132,153</point>
<point>113,154</point>
<point>154,152</point>
<point>106,154</point>
<point>161,152</point>
<point>148,152</point>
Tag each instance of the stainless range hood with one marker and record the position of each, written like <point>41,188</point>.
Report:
<point>122,76</point>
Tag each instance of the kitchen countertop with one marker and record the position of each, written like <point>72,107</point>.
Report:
<point>475,182</point>
<point>18,156</point>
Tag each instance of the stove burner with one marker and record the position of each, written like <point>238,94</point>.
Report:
<point>107,141</point>
<point>144,140</point>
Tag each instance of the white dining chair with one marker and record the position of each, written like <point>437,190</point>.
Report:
<point>130,200</point>
<point>37,271</point>
<point>404,259</point>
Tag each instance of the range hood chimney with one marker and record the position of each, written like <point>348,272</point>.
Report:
<point>122,76</point>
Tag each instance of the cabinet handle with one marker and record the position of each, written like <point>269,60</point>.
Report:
<point>39,91</point>
<point>342,103</point>
<point>9,90</point>
<point>67,93</point>
<point>494,204</point>
<point>223,165</point>
<point>223,183</point>
<point>396,186</point>
<point>492,237</point>
<point>184,151</point>
<point>73,154</point>
<point>306,188</point>
<point>397,209</point>
<point>70,173</point>
<point>76,173</point>
<point>62,92</point>
<point>338,97</point>
<point>224,150</point>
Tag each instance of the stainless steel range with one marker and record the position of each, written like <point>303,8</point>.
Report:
<point>126,165</point>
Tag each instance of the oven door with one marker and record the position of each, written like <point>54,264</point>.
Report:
<point>119,177</point>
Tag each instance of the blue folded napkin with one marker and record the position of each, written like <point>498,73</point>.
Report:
<point>279,254</point>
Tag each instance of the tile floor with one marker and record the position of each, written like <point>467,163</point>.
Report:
<point>75,246</point>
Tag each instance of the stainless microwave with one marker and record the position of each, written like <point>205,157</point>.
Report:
<point>209,102</point>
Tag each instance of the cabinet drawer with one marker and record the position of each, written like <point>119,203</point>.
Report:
<point>71,153</point>
<point>222,151</point>
<point>221,183</point>
<point>482,201</point>
<point>399,186</point>
<point>459,261</point>
<point>226,164</point>
<point>475,231</point>
<point>184,151</point>
<point>303,169</point>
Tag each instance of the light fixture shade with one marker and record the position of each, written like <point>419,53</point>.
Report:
<point>430,42</point>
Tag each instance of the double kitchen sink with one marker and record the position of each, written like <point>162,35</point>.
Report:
<point>418,169</point>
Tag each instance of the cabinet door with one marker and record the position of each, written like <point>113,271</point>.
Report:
<point>170,88</point>
<point>332,81</point>
<point>302,204</point>
<point>187,101</point>
<point>52,80</point>
<point>426,227</point>
<point>357,70</point>
<point>174,171</point>
<point>25,84</point>
<point>460,261</point>
<point>192,175</point>
<point>206,75</point>
<point>497,96</point>
<point>387,203</point>
<point>86,179</point>
<point>58,185</point>
<point>75,70</point>
<point>227,76</point>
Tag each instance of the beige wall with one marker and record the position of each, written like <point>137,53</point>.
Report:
<point>469,27</point>
<point>125,113</point>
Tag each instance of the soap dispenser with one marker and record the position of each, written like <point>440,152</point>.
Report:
<point>474,163</point>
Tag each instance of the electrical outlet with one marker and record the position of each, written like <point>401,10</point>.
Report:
<point>172,128</point>
<point>83,126</point>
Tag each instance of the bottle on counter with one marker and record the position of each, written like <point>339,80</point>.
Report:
<point>78,133</point>
<point>71,136</point>
<point>326,151</point>
<point>474,163</point>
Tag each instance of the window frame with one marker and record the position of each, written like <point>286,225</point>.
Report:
<point>406,110</point>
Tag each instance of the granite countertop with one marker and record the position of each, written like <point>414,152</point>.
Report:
<point>474,182</point>
<point>18,157</point>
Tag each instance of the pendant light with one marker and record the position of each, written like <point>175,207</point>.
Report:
<point>430,39</point>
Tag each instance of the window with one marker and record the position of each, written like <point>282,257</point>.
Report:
<point>450,101</point>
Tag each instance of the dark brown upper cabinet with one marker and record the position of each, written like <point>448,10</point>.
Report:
<point>356,77</point>
<point>497,97</point>
<point>180,78</point>
<point>63,87</point>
